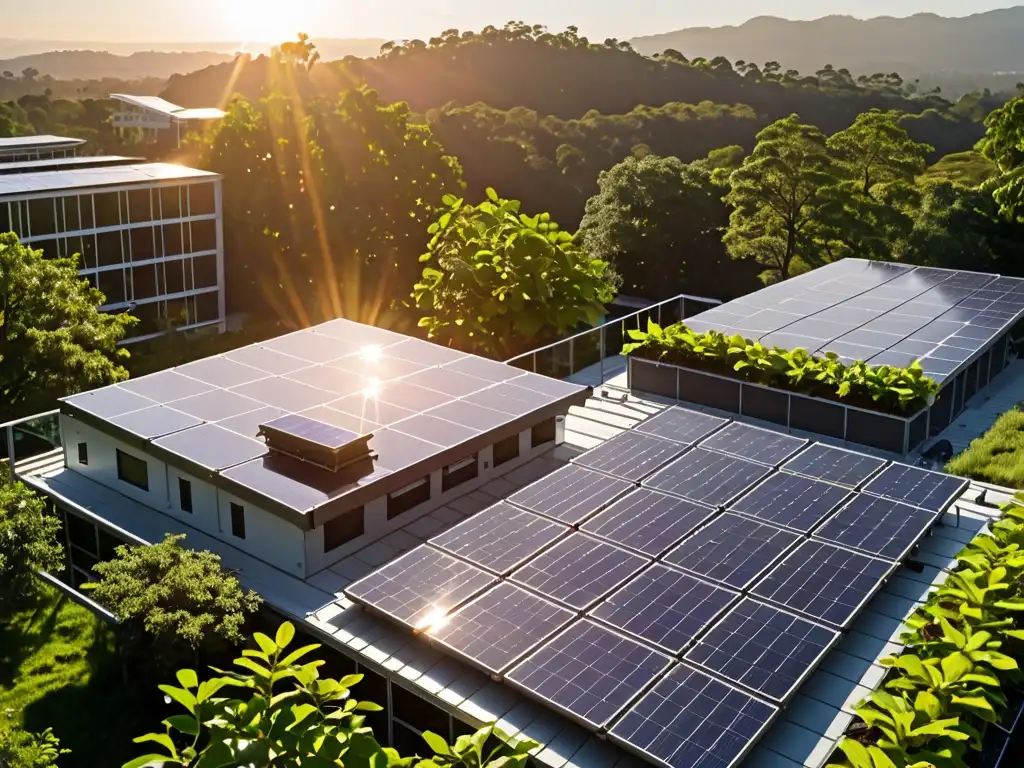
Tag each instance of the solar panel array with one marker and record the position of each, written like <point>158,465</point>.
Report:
<point>882,313</point>
<point>674,596</point>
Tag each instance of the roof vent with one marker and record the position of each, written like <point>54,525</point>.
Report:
<point>316,442</point>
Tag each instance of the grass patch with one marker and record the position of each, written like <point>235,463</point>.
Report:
<point>967,168</point>
<point>996,457</point>
<point>58,668</point>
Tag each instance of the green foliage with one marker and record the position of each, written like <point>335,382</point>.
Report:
<point>498,280</point>
<point>1003,144</point>
<point>882,387</point>
<point>173,601</point>
<point>997,456</point>
<point>24,749</point>
<point>970,169</point>
<point>313,722</point>
<point>28,543</point>
<point>53,340</point>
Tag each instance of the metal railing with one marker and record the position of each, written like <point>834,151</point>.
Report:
<point>597,346</point>
<point>28,437</point>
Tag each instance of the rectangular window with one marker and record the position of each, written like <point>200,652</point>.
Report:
<point>142,244</point>
<point>111,284</point>
<point>207,308</point>
<point>204,271</point>
<point>143,282</point>
<point>343,529</point>
<point>185,495</point>
<point>132,470</point>
<point>109,248</point>
<point>201,199</point>
<point>5,217</point>
<point>506,450</point>
<point>83,453</point>
<point>72,221</point>
<point>172,240</point>
<point>170,203</point>
<point>42,218</point>
<point>85,210</point>
<point>108,213</point>
<point>204,235</point>
<point>543,433</point>
<point>138,206</point>
<point>460,472</point>
<point>237,520</point>
<point>404,499</point>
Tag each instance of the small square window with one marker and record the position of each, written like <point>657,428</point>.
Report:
<point>83,453</point>
<point>185,494</point>
<point>343,529</point>
<point>237,520</point>
<point>132,470</point>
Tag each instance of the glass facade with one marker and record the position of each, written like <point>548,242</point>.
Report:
<point>151,250</point>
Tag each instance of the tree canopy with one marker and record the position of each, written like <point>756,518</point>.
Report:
<point>28,543</point>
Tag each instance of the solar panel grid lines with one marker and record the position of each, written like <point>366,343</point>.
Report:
<point>681,425</point>
<point>496,630</point>
<point>571,494</point>
<point>763,446</point>
<point>579,570</point>
<point>824,582</point>
<point>839,466</point>
<point>630,455</point>
<point>732,550</point>
<point>648,522</point>
<point>877,526</point>
<point>420,588</point>
<point>500,538</point>
<point>707,477</point>
<point>763,649</point>
<point>934,491</point>
<point>692,720</point>
<point>588,672</point>
<point>791,501</point>
<point>664,607</point>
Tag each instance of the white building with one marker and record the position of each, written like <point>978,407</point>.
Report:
<point>149,236</point>
<point>21,148</point>
<point>159,119</point>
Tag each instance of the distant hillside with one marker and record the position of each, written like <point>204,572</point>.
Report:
<point>96,65</point>
<point>915,46</point>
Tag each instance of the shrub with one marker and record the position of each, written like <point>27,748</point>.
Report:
<point>997,456</point>
<point>28,543</point>
<point>24,749</point>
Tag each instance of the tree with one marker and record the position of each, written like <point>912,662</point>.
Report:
<point>782,195</point>
<point>173,602</point>
<point>53,339</point>
<point>1003,144</point>
<point>314,722</point>
<point>28,544</point>
<point>23,749</point>
<point>498,280</point>
<point>659,222</point>
<point>301,51</point>
<point>876,149</point>
<point>30,73</point>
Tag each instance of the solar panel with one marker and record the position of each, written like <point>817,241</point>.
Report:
<point>732,550</point>
<point>648,521</point>
<point>763,649</point>
<point>579,570</point>
<point>681,425</point>
<point>755,444</point>
<point>922,488</point>
<point>630,455</point>
<point>824,582</point>
<point>707,477</point>
<point>664,607</point>
<point>791,501</point>
<point>588,672</point>
<point>500,538</point>
<point>877,526</point>
<point>326,435</point>
<point>420,587</point>
<point>501,626</point>
<point>691,720</point>
<point>570,494</point>
<point>834,465</point>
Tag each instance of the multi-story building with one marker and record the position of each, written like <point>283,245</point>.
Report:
<point>149,236</point>
<point>158,120</point>
<point>20,148</point>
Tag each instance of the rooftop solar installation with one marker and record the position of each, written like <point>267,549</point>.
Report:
<point>791,501</point>
<point>877,526</point>
<point>588,672</point>
<point>764,446</point>
<point>763,649</point>
<point>571,495</point>
<point>918,487</point>
<point>500,538</point>
<point>824,582</point>
<point>681,425</point>
<point>732,550</point>
<point>62,163</point>
<point>648,522</point>
<point>692,720</point>
<point>834,465</point>
<point>664,607</point>
<point>501,626</point>
<point>38,141</point>
<point>630,455</point>
<point>83,178</point>
<point>707,477</point>
<point>881,313</point>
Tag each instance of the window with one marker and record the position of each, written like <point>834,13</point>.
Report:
<point>72,221</point>
<point>460,472</point>
<point>204,235</point>
<point>108,212</point>
<point>543,433</point>
<point>42,217</point>
<point>185,495</point>
<point>138,206</point>
<point>237,520</point>
<point>142,244</point>
<point>144,282</point>
<point>506,450</point>
<point>112,286</point>
<point>343,529</point>
<point>207,307</point>
<point>109,248</point>
<point>406,498</point>
<point>172,240</point>
<point>204,271</point>
<point>200,199</point>
<point>83,453</point>
<point>170,202</point>
<point>132,470</point>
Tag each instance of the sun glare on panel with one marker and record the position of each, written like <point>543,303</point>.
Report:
<point>434,620</point>
<point>372,389</point>
<point>371,353</point>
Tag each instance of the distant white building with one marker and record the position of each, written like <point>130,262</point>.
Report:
<point>158,118</point>
<point>25,148</point>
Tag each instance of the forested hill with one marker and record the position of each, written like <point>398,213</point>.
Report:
<point>914,46</point>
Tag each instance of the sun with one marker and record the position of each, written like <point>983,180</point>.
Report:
<point>266,21</point>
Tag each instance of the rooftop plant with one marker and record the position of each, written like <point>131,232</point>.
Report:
<point>877,387</point>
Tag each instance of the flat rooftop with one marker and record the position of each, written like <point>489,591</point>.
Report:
<point>62,163</point>
<point>35,143</point>
<point>881,313</point>
<point>164,107</point>
<point>19,184</point>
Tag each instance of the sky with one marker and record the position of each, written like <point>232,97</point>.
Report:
<point>275,20</point>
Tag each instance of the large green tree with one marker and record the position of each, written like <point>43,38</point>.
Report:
<point>53,339</point>
<point>1003,144</point>
<point>28,543</point>
<point>784,198</point>
<point>498,281</point>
